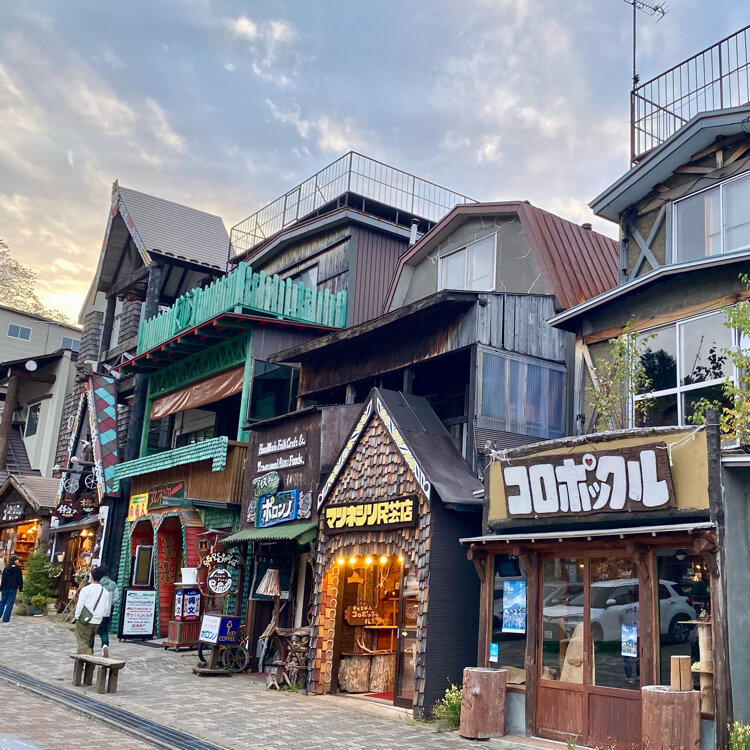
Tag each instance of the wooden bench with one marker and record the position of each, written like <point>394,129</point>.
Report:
<point>106,678</point>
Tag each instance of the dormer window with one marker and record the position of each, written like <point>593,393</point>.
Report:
<point>713,221</point>
<point>471,267</point>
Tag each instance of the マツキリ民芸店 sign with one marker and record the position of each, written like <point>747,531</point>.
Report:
<point>382,514</point>
<point>623,479</point>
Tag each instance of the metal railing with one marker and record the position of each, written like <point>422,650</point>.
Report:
<point>248,290</point>
<point>716,78</point>
<point>352,173</point>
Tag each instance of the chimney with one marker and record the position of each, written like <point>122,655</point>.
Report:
<point>414,231</point>
<point>587,226</point>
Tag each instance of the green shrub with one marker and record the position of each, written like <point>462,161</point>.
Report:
<point>39,601</point>
<point>40,579</point>
<point>739,736</point>
<point>447,711</point>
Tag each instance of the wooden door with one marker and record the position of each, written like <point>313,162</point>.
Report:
<point>588,658</point>
<point>407,645</point>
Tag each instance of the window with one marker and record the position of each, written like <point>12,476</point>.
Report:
<point>523,397</point>
<point>472,267</point>
<point>19,332</point>
<point>274,390</point>
<point>685,362</point>
<point>32,420</point>
<point>508,645</point>
<point>196,436</point>
<point>69,343</point>
<point>309,277</point>
<point>713,222</point>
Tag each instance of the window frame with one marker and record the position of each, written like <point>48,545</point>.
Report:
<point>72,341</point>
<point>20,328</point>
<point>723,232</point>
<point>37,409</point>
<point>465,249</point>
<point>679,390</point>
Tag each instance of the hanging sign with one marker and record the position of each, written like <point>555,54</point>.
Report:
<point>163,494</point>
<point>138,613</point>
<point>138,507</point>
<point>278,508</point>
<point>382,514</point>
<point>221,558</point>
<point>219,581</point>
<point>267,484</point>
<point>631,478</point>
<point>219,629</point>
<point>13,512</point>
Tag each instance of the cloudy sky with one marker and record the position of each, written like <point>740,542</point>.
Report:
<point>224,105</point>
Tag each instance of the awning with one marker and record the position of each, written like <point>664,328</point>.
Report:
<point>302,532</point>
<point>82,524</point>
<point>547,536</point>
<point>198,394</point>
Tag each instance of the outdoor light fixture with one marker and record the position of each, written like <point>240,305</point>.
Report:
<point>340,561</point>
<point>368,560</point>
<point>383,559</point>
<point>680,554</point>
<point>401,559</point>
<point>352,560</point>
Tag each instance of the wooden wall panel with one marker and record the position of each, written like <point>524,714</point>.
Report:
<point>558,712</point>
<point>615,720</point>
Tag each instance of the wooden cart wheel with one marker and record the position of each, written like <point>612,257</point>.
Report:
<point>235,658</point>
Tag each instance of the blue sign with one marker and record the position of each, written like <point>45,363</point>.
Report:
<point>514,606</point>
<point>219,629</point>
<point>277,508</point>
<point>494,652</point>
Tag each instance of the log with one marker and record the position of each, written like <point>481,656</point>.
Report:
<point>670,719</point>
<point>382,671</point>
<point>681,677</point>
<point>354,674</point>
<point>483,703</point>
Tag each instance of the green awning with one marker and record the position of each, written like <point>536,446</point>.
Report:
<point>302,532</point>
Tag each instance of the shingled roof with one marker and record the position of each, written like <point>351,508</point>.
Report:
<point>39,492</point>
<point>576,263</point>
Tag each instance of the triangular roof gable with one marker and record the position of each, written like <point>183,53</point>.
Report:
<point>372,407</point>
<point>38,492</point>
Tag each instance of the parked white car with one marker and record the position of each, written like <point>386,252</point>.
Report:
<point>612,604</point>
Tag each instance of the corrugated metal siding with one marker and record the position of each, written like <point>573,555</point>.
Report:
<point>268,341</point>
<point>377,257</point>
<point>177,230</point>
<point>576,263</point>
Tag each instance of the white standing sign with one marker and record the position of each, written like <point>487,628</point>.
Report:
<point>138,613</point>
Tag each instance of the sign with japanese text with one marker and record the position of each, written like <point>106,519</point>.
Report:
<point>382,514</point>
<point>13,511</point>
<point>220,582</point>
<point>138,613</point>
<point>218,629</point>
<point>137,507</point>
<point>163,494</point>
<point>634,478</point>
<point>266,484</point>
<point>278,508</point>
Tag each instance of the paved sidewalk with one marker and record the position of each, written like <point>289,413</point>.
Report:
<point>235,712</point>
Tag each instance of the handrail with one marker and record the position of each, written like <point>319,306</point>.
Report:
<point>718,77</point>
<point>243,288</point>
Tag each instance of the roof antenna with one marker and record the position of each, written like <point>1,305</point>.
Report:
<point>650,9</point>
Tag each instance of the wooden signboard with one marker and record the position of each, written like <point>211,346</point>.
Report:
<point>383,514</point>
<point>163,494</point>
<point>634,478</point>
<point>361,614</point>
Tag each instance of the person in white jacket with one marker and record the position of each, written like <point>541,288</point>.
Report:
<point>96,599</point>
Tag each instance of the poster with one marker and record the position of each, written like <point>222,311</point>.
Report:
<point>137,507</point>
<point>138,613</point>
<point>514,606</point>
<point>630,641</point>
<point>494,653</point>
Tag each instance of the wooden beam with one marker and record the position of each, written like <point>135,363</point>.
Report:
<point>694,170</point>
<point>660,188</point>
<point>737,153</point>
<point>717,145</point>
<point>646,609</point>
<point>531,566</point>
<point>136,278</point>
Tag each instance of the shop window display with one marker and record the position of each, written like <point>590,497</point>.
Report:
<point>508,643</point>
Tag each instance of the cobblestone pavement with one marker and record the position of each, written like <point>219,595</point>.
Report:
<point>235,712</point>
<point>39,723</point>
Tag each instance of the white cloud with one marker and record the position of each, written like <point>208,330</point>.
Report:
<point>243,28</point>
<point>161,128</point>
<point>231,67</point>
<point>69,157</point>
<point>111,58</point>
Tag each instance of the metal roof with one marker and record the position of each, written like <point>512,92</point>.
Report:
<point>576,263</point>
<point>177,231</point>
<point>299,531</point>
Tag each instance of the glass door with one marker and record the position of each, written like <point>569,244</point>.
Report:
<point>406,644</point>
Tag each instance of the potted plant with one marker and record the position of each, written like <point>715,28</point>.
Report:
<point>38,603</point>
<point>20,606</point>
<point>40,582</point>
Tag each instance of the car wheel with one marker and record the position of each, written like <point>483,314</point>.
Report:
<point>679,630</point>
<point>597,634</point>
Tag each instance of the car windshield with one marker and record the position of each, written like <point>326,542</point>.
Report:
<point>600,595</point>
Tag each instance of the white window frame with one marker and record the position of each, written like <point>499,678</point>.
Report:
<point>20,328</point>
<point>680,390</point>
<point>465,249</point>
<point>72,341</point>
<point>675,206</point>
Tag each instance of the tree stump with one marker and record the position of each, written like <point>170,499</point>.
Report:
<point>483,703</point>
<point>354,674</point>
<point>382,672</point>
<point>670,719</point>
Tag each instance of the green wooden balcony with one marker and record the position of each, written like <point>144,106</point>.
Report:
<point>243,290</point>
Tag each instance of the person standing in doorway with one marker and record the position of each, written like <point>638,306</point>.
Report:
<point>92,607</point>
<point>114,596</point>
<point>10,583</point>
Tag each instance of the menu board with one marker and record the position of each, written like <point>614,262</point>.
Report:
<point>138,613</point>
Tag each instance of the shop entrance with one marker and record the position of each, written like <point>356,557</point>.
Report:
<point>376,635</point>
<point>590,671</point>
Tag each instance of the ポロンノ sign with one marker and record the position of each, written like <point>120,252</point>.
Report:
<point>162,494</point>
<point>273,509</point>
<point>218,629</point>
<point>382,514</point>
<point>138,613</point>
<point>624,479</point>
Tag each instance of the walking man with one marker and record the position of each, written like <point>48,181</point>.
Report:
<point>92,607</point>
<point>114,595</point>
<point>11,582</point>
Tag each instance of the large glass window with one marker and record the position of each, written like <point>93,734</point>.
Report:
<point>522,396</point>
<point>714,221</point>
<point>472,267</point>
<point>508,643</point>
<point>274,390</point>
<point>685,362</point>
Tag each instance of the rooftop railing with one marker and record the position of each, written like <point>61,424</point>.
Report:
<point>352,173</point>
<point>244,289</point>
<point>716,78</point>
